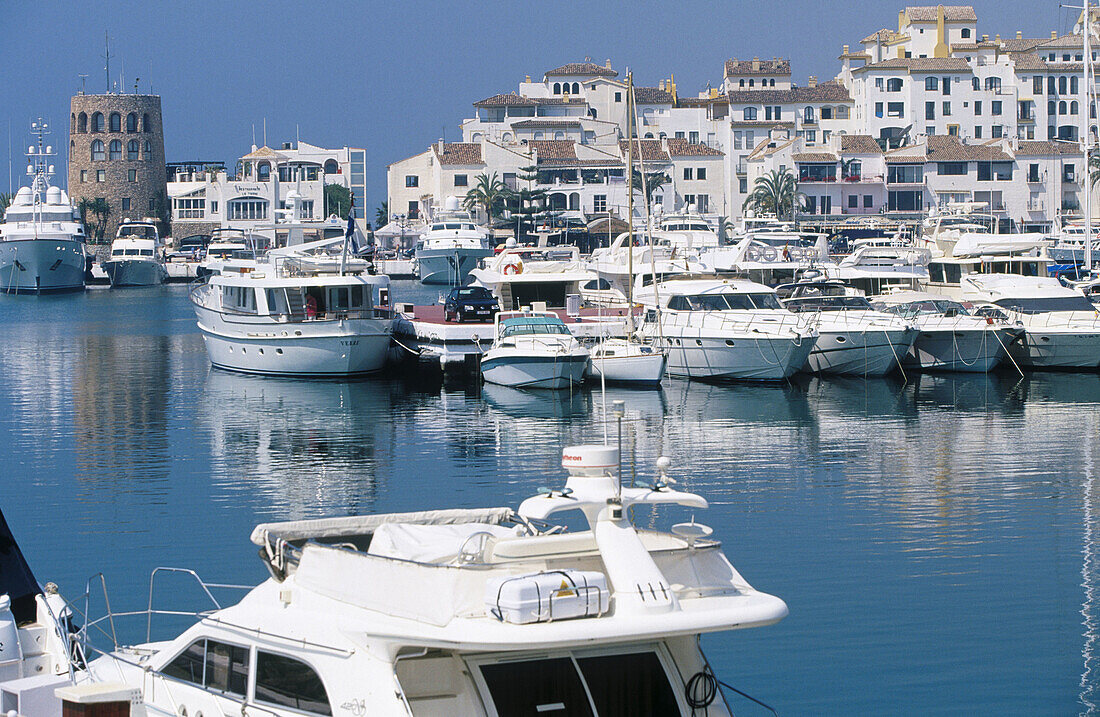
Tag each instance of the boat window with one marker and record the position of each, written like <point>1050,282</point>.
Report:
<point>339,298</point>
<point>356,297</point>
<point>146,252</point>
<point>287,682</point>
<point>227,668</point>
<point>188,666</point>
<point>550,687</point>
<point>239,298</point>
<point>828,303</point>
<point>724,302</point>
<point>132,252</point>
<point>437,227</point>
<point>598,284</point>
<point>532,326</point>
<point>632,684</point>
<point>952,273</point>
<point>276,301</point>
<point>118,252</point>
<point>454,226</point>
<point>1052,303</point>
<point>935,272</point>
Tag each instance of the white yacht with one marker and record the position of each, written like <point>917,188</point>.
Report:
<point>628,362</point>
<point>950,338</point>
<point>479,612</point>
<point>225,244</point>
<point>1069,245</point>
<point>42,238</point>
<point>303,310</point>
<point>620,266</point>
<point>688,230</point>
<point>877,268</point>
<point>1062,326</point>
<point>137,255</point>
<point>725,329</point>
<point>533,349</point>
<point>854,339</point>
<point>771,258</point>
<point>451,247</point>
<point>522,276</point>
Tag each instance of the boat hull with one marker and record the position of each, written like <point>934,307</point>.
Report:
<point>533,370</point>
<point>639,369</point>
<point>860,353</point>
<point>764,358</point>
<point>1057,348</point>
<point>130,272</point>
<point>438,266</point>
<point>39,266</point>
<point>965,351</point>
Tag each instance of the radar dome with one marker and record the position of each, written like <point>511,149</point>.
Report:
<point>53,195</point>
<point>451,204</point>
<point>23,196</point>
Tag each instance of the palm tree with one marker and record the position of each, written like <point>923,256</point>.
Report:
<point>85,208</point>
<point>653,182</point>
<point>775,193</point>
<point>489,193</point>
<point>101,209</point>
<point>382,215</point>
<point>5,202</point>
<point>1094,167</point>
<point>725,229</point>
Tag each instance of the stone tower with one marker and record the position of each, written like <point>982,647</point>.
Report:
<point>116,151</point>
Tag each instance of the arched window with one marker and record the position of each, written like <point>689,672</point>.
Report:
<point>506,137</point>
<point>1062,107</point>
<point>742,84</point>
<point>965,33</point>
<point>131,122</point>
<point>808,114</point>
<point>576,88</point>
<point>116,122</point>
<point>82,122</point>
<point>97,150</point>
<point>772,83</point>
<point>557,88</point>
<point>976,83</point>
<point>115,149</point>
<point>557,201</point>
<point>575,202</point>
<point>750,112</point>
<point>752,82</point>
<point>648,135</point>
<point>661,135</point>
<point>931,84</point>
<point>146,125</point>
<point>538,134</point>
<point>148,149</point>
<point>1074,108</point>
<point>132,149</point>
<point>1062,85</point>
<point>263,171</point>
<point>893,84</point>
<point>1073,85</point>
<point>1052,108</point>
<point>559,135</point>
<point>72,148</point>
<point>1092,110</point>
<point>331,167</point>
<point>476,137</point>
<point>72,122</point>
<point>247,208</point>
<point>97,122</point>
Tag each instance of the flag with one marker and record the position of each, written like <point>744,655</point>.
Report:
<point>351,237</point>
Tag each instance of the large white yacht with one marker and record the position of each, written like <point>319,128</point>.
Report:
<point>1062,326</point>
<point>475,612</point>
<point>533,349</point>
<point>620,267</point>
<point>137,255</point>
<point>771,258</point>
<point>42,238</point>
<point>451,247</point>
<point>521,276</point>
<point>303,310</point>
<point>854,339</point>
<point>725,329</point>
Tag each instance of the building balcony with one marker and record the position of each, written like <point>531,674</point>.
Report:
<point>1037,178</point>
<point>1035,205</point>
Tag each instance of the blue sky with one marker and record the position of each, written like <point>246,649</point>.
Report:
<point>393,77</point>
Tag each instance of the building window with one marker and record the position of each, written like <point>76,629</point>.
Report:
<point>599,203</point>
<point>1033,173</point>
<point>868,200</point>
<point>98,153</point>
<point>743,185</point>
<point>557,88</point>
<point>738,139</point>
<point>811,136</point>
<point>999,171</point>
<point>702,203</point>
<point>895,109</point>
<point>125,204</point>
<point>1073,85</point>
<point>826,113</point>
<point>1037,85</point>
<point>411,180</point>
<point>878,83</point>
<point>904,174</point>
<point>414,209</point>
<point>947,85</point>
<point>132,149</point>
<point>953,130</point>
<point>131,175</point>
<point>996,131</point>
<point>946,109</point>
<point>1062,85</point>
<point>1068,174</point>
<point>1074,107</point>
<point>116,122</point>
<point>101,175</point>
<point>951,168</point>
<point>687,173</point>
<point>461,180</point>
<point>842,112</point>
<point>995,107</point>
<point>679,135</point>
<point>976,84</point>
<point>148,150</point>
<point>83,176</point>
<point>82,122</point>
<point>247,209</point>
<point>213,207</point>
<point>131,122</point>
<point>993,84</point>
<point>808,114</point>
<point>977,108</point>
<point>930,110</point>
<point>693,137</point>
<point>750,114</point>
<point>767,112</point>
<point>977,131</point>
<point>893,85</point>
<point>701,173</point>
<point>965,33</point>
<point>115,151</point>
<point>931,84</point>
<point>853,201</point>
<point>878,109</point>
<point>742,83</point>
<point>97,122</point>
<point>1051,88</point>
<point>146,125</point>
<point>618,96</point>
<point>189,208</point>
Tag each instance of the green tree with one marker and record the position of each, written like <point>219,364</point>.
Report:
<point>382,215</point>
<point>337,200</point>
<point>653,182</point>
<point>84,206</point>
<point>101,209</point>
<point>5,202</point>
<point>725,230</point>
<point>1094,167</point>
<point>526,202</point>
<point>489,193</point>
<point>775,193</point>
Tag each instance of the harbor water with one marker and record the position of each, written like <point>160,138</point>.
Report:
<point>934,538</point>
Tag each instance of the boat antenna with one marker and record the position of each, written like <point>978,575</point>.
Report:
<point>649,231</point>
<point>617,406</point>
<point>1086,137</point>
<point>630,201</point>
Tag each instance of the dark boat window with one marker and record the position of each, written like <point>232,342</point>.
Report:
<point>290,683</point>
<point>226,668</point>
<point>537,687</point>
<point>188,666</point>
<point>634,684</point>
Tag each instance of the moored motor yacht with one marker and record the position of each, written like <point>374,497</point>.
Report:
<point>451,247</point>
<point>522,276</point>
<point>1062,326</point>
<point>724,329</point>
<point>301,311</point>
<point>628,361</point>
<point>854,339</point>
<point>621,266</point>
<point>950,338</point>
<point>137,256</point>
<point>488,611</point>
<point>771,258</point>
<point>533,349</point>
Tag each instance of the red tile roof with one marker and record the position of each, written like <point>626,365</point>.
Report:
<point>945,148</point>
<point>824,92</point>
<point>459,153</point>
<point>547,122</point>
<point>506,99</point>
<point>679,147</point>
<point>1034,148</point>
<point>920,64</point>
<point>776,66</point>
<point>814,157</point>
<point>647,150</point>
<point>583,69</point>
<point>551,149</point>
<point>652,96</point>
<point>951,13</point>
<point>859,144</point>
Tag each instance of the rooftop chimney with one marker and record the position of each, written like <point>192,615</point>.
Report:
<point>997,37</point>
<point>1019,34</point>
<point>756,64</point>
<point>845,49</point>
<point>813,81</point>
<point>661,85</point>
<point>1053,34</point>
<point>527,78</point>
<point>441,146</point>
<point>985,38</point>
<point>607,63</point>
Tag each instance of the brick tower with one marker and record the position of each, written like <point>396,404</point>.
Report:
<point>116,151</point>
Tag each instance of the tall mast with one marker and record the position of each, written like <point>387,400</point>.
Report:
<point>1086,134</point>
<point>630,194</point>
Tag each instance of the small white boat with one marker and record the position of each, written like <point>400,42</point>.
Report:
<point>137,256</point>
<point>628,362</point>
<point>533,349</point>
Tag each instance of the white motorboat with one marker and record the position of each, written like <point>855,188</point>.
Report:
<point>771,258</point>
<point>878,269</point>
<point>533,349</point>
<point>137,256</point>
<point>452,246</point>
<point>42,246</point>
<point>523,276</point>
<point>476,612</point>
<point>854,339</point>
<point>1062,326</point>
<point>950,338</point>
<point>628,361</point>
<point>225,244</point>
<point>724,329</point>
<point>687,230</point>
<point>300,311</point>
<point>620,266</point>
<point>1069,245</point>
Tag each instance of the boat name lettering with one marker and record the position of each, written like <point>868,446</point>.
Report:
<point>354,342</point>
<point>246,188</point>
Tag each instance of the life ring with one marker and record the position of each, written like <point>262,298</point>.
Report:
<point>513,268</point>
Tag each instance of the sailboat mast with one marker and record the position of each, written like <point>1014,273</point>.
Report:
<point>630,193</point>
<point>1086,135</point>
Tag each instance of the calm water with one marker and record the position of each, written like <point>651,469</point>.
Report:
<point>934,539</point>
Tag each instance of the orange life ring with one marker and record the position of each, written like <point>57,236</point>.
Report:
<point>513,268</point>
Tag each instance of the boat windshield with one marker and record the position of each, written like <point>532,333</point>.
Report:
<point>1049,303</point>
<point>532,325</point>
<point>924,307</point>
<point>828,303</point>
<point>723,302</point>
<point>137,230</point>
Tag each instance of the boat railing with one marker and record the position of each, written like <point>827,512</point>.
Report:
<point>739,321</point>
<point>1054,319</point>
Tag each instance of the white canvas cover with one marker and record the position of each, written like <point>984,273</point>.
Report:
<point>430,543</point>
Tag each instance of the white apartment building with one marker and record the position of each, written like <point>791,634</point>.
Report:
<point>204,199</point>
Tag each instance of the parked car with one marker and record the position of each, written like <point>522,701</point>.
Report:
<point>470,303</point>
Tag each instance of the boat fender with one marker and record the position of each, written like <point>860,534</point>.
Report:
<point>513,268</point>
